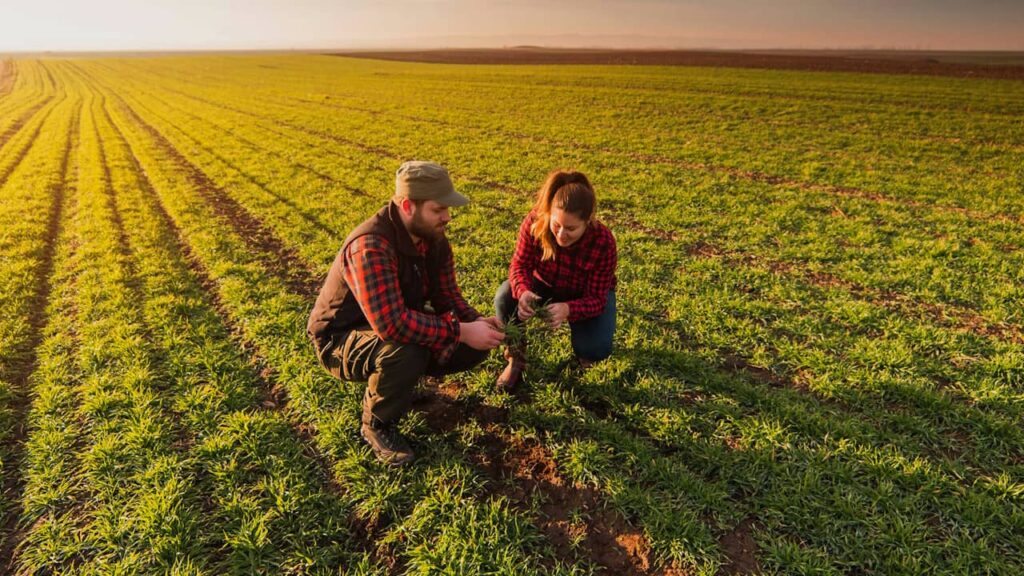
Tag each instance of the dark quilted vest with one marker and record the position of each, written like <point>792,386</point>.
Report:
<point>336,309</point>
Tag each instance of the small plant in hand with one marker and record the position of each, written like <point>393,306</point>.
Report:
<point>541,310</point>
<point>515,332</point>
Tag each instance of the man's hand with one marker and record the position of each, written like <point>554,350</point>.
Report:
<point>495,322</point>
<point>480,334</point>
<point>559,312</point>
<point>526,302</point>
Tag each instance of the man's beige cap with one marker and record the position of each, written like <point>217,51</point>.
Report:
<point>420,180</point>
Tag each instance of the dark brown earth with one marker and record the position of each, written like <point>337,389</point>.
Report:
<point>575,519</point>
<point>868,61</point>
<point>741,550</point>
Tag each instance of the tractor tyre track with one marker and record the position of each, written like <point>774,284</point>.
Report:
<point>311,219</point>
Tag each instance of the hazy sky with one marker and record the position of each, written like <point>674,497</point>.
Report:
<point>33,25</point>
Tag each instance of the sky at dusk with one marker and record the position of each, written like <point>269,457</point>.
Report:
<point>319,24</point>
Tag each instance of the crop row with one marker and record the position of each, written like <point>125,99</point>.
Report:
<point>269,317</point>
<point>925,254</point>
<point>896,149</point>
<point>977,379</point>
<point>258,190</point>
<point>31,193</point>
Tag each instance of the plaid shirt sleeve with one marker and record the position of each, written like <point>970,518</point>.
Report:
<point>599,281</point>
<point>524,261</point>
<point>449,297</point>
<point>371,272</point>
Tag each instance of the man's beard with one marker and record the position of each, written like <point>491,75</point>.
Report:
<point>418,227</point>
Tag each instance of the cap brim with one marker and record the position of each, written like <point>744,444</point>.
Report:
<point>452,200</point>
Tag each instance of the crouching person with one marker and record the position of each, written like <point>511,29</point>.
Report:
<point>563,269</point>
<point>390,311</point>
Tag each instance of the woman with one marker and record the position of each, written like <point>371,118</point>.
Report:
<point>565,258</point>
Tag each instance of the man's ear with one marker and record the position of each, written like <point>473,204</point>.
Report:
<point>405,205</point>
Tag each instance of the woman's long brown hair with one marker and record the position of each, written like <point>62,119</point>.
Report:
<point>567,190</point>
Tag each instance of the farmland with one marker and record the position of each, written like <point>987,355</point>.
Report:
<point>819,366</point>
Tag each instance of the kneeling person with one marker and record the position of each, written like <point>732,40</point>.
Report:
<point>564,256</point>
<point>371,321</point>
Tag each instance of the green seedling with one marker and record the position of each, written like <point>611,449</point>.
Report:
<point>515,332</point>
<point>819,347</point>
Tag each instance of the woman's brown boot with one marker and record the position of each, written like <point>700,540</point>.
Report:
<point>513,373</point>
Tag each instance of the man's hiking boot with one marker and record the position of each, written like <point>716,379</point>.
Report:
<point>513,373</point>
<point>387,443</point>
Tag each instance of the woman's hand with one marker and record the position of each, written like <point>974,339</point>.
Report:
<point>526,302</point>
<point>558,312</point>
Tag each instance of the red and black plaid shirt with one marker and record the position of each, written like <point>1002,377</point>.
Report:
<point>371,272</point>
<point>580,275</point>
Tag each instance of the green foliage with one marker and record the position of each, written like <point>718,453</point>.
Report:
<point>820,319</point>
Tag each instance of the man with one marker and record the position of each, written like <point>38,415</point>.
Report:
<point>391,312</point>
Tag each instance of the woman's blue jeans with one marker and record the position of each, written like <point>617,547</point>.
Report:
<point>591,338</point>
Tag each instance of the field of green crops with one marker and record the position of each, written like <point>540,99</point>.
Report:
<point>819,367</point>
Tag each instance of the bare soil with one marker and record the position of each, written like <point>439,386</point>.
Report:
<point>575,519</point>
<point>868,61</point>
<point>741,550</point>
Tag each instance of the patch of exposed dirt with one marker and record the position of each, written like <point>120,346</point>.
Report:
<point>757,373</point>
<point>575,520</point>
<point>873,62</point>
<point>637,226</point>
<point>740,549</point>
<point>704,249</point>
